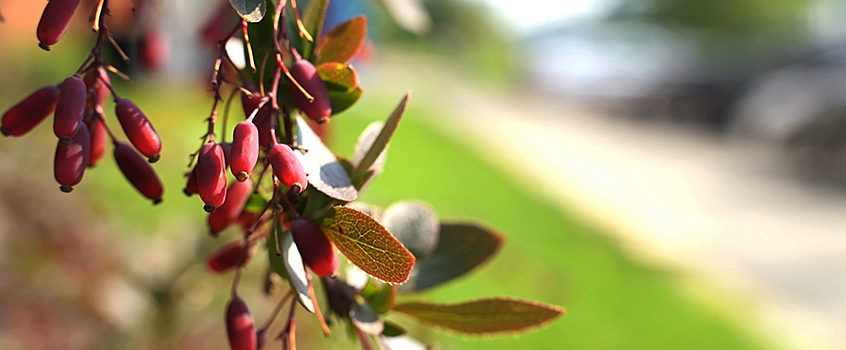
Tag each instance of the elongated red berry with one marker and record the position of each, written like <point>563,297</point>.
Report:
<point>54,21</point>
<point>232,255</point>
<point>245,150</point>
<point>71,160</point>
<point>31,111</point>
<point>288,168</point>
<point>320,108</point>
<point>314,247</point>
<point>70,107</point>
<point>240,326</point>
<point>139,172</point>
<point>262,117</point>
<point>236,197</point>
<point>99,136</point>
<point>191,185</point>
<point>211,176</point>
<point>139,130</point>
<point>96,81</point>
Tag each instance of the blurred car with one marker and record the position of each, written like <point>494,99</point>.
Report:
<point>646,69</point>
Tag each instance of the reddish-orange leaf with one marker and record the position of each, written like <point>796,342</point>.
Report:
<point>483,316</point>
<point>343,42</point>
<point>368,245</point>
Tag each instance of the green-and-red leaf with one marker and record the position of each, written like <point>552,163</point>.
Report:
<point>484,316</point>
<point>338,76</point>
<point>343,42</point>
<point>368,245</point>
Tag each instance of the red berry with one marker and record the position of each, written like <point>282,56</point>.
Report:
<point>240,326</point>
<point>69,107</point>
<point>153,49</point>
<point>232,255</point>
<point>139,130</point>
<point>139,172</point>
<point>263,124</point>
<point>211,176</point>
<point>31,111</point>
<point>287,168</point>
<point>191,184</point>
<point>245,150</point>
<point>54,21</point>
<point>99,136</point>
<point>262,118</point>
<point>71,160</point>
<point>96,81</point>
<point>306,75</point>
<point>236,197</point>
<point>315,248</point>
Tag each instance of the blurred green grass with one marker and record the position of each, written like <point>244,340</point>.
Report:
<point>613,301</point>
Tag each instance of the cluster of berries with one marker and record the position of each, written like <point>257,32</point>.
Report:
<point>79,119</point>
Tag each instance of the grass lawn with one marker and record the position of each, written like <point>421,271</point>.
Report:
<point>613,302</point>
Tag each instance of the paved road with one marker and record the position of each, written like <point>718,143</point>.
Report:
<point>721,206</point>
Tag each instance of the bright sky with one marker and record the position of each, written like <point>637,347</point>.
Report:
<point>529,14</point>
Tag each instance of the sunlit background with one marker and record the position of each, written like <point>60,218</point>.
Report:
<point>670,171</point>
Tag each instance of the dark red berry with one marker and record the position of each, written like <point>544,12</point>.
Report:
<point>211,176</point>
<point>232,255</point>
<point>236,197</point>
<point>263,123</point>
<point>240,326</point>
<point>315,248</point>
<point>99,136</point>
<point>96,81</point>
<point>71,159</point>
<point>139,130</point>
<point>245,150</point>
<point>70,107</point>
<point>287,168</point>
<point>31,111</point>
<point>54,21</point>
<point>191,184</point>
<point>139,172</point>
<point>320,108</point>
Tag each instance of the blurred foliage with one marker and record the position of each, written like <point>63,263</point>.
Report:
<point>467,32</point>
<point>751,18</point>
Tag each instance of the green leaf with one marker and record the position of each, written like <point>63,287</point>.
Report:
<point>382,139</point>
<point>277,262</point>
<point>313,15</point>
<point>341,101</point>
<point>343,42</point>
<point>368,245</point>
<point>365,318</point>
<point>461,248</point>
<point>383,300</point>
<point>415,224</point>
<point>255,203</point>
<point>250,10</point>
<point>338,76</point>
<point>484,316</point>
<point>393,330</point>
<point>323,170</point>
